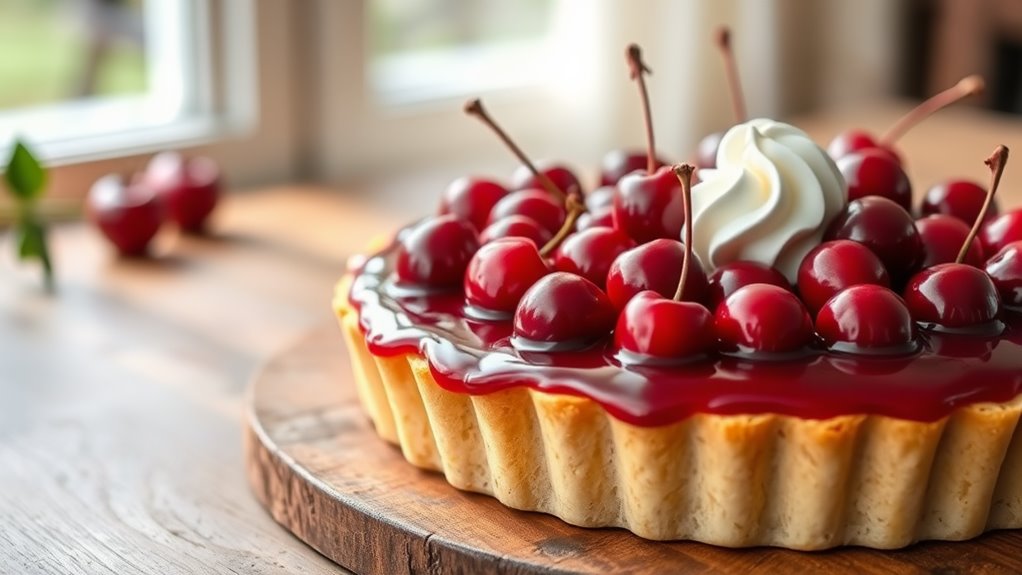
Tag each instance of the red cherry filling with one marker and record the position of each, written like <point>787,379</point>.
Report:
<point>866,319</point>
<point>943,237</point>
<point>591,252</point>
<point>516,226</point>
<point>543,208</point>
<point>957,198</point>
<point>1005,270</point>
<point>954,297</point>
<point>660,328</point>
<point>500,273</point>
<point>885,228</point>
<point>1001,231</point>
<point>436,252</point>
<point>875,173</point>
<point>726,279</point>
<point>654,266</point>
<point>562,312</point>
<point>833,266</point>
<point>648,206</point>
<point>763,319</point>
<point>471,199</point>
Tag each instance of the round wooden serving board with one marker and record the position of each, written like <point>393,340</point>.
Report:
<point>316,464</point>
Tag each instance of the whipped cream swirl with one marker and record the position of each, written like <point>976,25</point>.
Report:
<point>769,199</point>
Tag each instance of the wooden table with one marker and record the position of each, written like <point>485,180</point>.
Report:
<point>121,395</point>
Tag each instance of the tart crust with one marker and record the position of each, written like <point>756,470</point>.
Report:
<point>730,480</point>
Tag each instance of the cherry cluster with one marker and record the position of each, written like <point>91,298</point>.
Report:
<point>569,269</point>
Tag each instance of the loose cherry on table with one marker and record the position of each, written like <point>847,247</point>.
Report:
<point>516,226</point>
<point>763,319</point>
<point>538,205</point>
<point>562,312</point>
<point>655,266</point>
<point>651,326</point>
<point>1001,231</point>
<point>943,237</point>
<point>875,173</point>
<point>128,213</point>
<point>189,187</point>
<point>961,199</point>
<point>885,228</point>
<point>1005,270</point>
<point>706,152</point>
<point>435,253</point>
<point>590,253</point>
<point>834,266</point>
<point>866,318</point>
<point>726,279</point>
<point>471,199</point>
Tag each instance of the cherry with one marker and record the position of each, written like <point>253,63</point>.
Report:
<point>959,198</point>
<point>851,141</point>
<point>436,252</point>
<point>885,228</point>
<point>1002,231</point>
<point>956,296</point>
<point>602,217</point>
<point>601,197</point>
<point>706,152</point>
<point>1005,270</point>
<point>874,173</point>
<point>591,252</point>
<point>562,312</point>
<point>866,318</point>
<point>128,213</point>
<point>515,226</point>
<point>654,327</point>
<point>471,199</point>
<point>562,177</point>
<point>500,273</point>
<point>833,266</point>
<point>656,266</point>
<point>619,163</point>
<point>943,237</point>
<point>726,279</point>
<point>763,318</point>
<point>538,205</point>
<point>189,187</point>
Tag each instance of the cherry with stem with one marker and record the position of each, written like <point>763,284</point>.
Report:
<point>996,164</point>
<point>968,86</point>
<point>638,70</point>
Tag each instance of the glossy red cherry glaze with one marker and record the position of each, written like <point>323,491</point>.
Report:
<point>472,357</point>
<point>1005,269</point>
<point>562,312</point>
<point>471,199</point>
<point>866,318</point>
<point>763,319</point>
<point>649,206</point>
<point>885,228</point>
<point>619,163</point>
<point>873,172</point>
<point>833,266</point>
<point>954,297</point>
<point>543,208</point>
<point>499,274</point>
<point>1001,231</point>
<point>943,237</point>
<point>591,252</point>
<point>726,279</point>
<point>654,266</point>
<point>562,177</point>
<point>957,198</point>
<point>654,330</point>
<point>435,253</point>
<point>516,226</point>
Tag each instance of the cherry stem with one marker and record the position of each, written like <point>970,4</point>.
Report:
<point>474,107</point>
<point>967,86</point>
<point>637,71</point>
<point>996,163</point>
<point>731,69</point>
<point>684,173</point>
<point>575,208</point>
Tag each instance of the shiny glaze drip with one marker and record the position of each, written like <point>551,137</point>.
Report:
<point>470,356</point>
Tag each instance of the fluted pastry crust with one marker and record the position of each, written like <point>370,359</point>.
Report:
<point>731,480</point>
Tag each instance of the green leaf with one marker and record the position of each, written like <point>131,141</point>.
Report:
<point>32,245</point>
<point>25,177</point>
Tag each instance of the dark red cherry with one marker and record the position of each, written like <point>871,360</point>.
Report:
<point>1005,270</point>
<point>866,318</point>
<point>471,199</point>
<point>763,318</point>
<point>706,152</point>
<point>953,296</point>
<point>602,217</point>
<point>833,266</point>
<point>562,312</point>
<point>958,198</point>
<point>537,204</point>
<point>1001,231</point>
<point>654,266</point>
<point>726,279</point>
<point>516,226</point>
<point>591,252</point>
<point>619,163</point>
<point>600,198</point>
<point>654,326</point>
<point>560,175</point>
<point>852,141</point>
<point>943,237</point>
<point>500,273</point>
<point>885,228</point>
<point>436,252</point>
<point>649,206</point>
<point>874,173</point>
